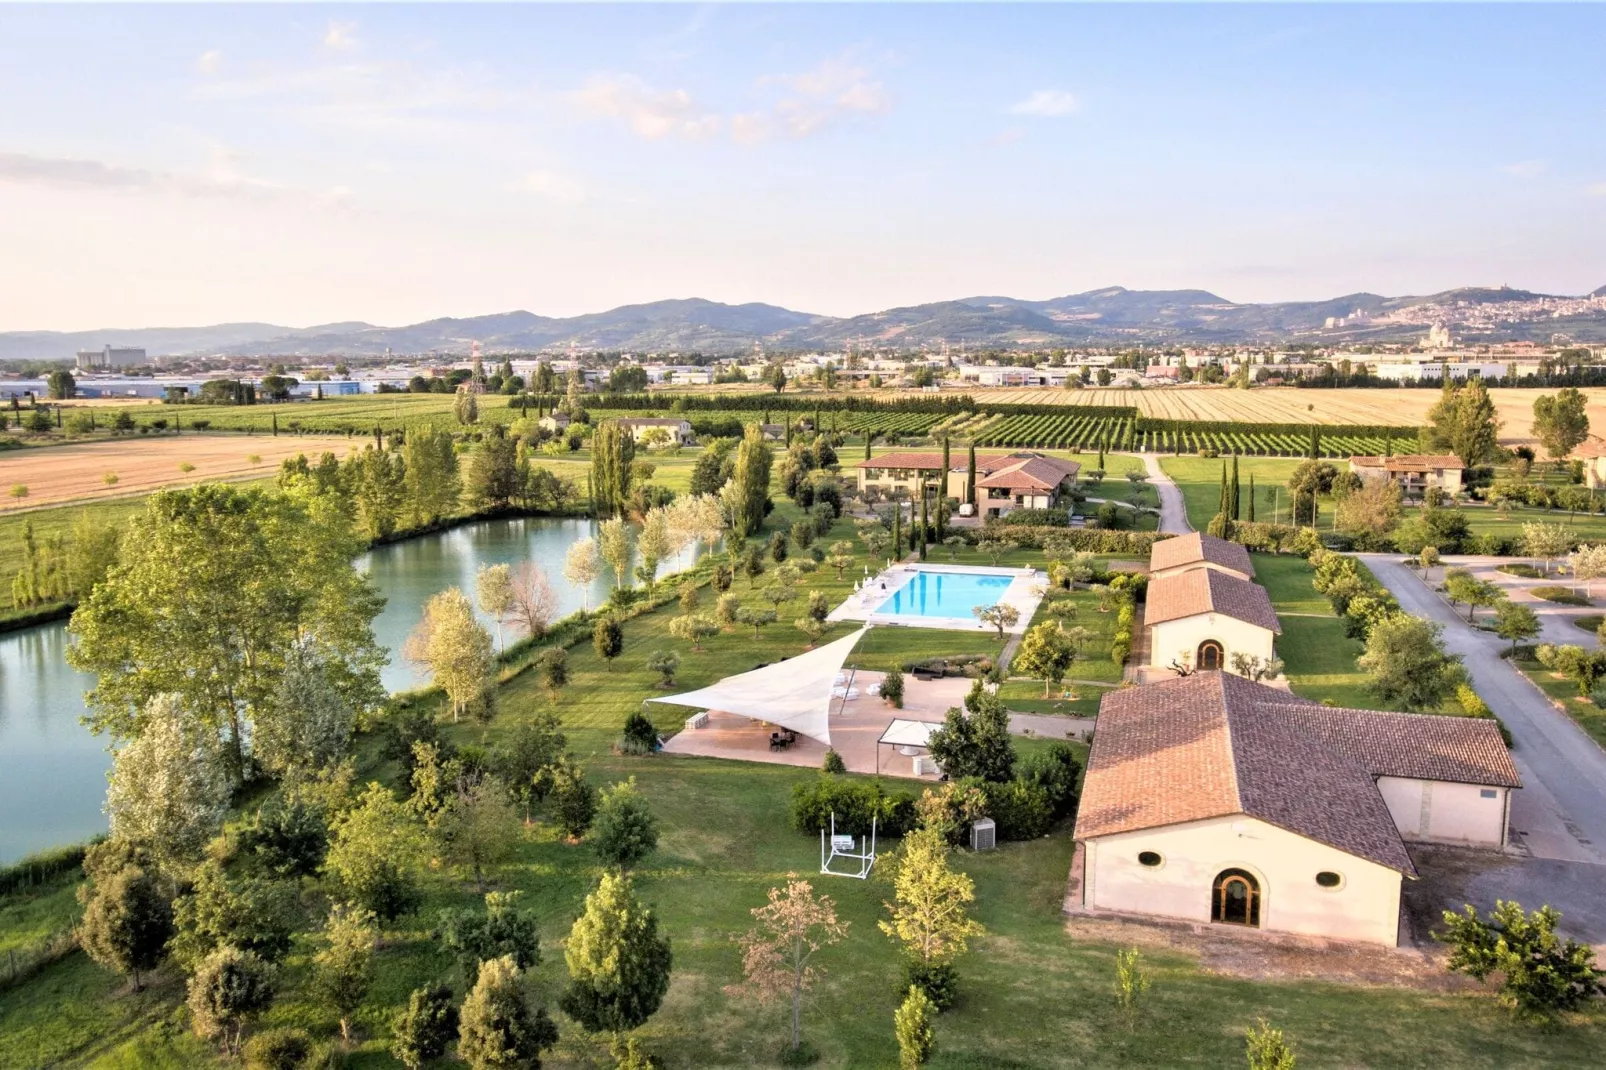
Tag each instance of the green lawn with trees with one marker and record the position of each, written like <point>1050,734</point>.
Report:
<point>420,829</point>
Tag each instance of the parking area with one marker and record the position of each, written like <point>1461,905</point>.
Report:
<point>1449,877</point>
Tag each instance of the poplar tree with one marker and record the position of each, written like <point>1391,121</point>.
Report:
<point>970,472</point>
<point>430,479</point>
<point>1233,489</point>
<point>612,451</point>
<point>747,493</point>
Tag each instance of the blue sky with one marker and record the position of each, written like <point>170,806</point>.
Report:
<point>303,164</point>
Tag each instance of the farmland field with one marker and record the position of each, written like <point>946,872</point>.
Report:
<point>81,472</point>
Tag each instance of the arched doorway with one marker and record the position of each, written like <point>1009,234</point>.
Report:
<point>1210,656</point>
<point>1235,898</point>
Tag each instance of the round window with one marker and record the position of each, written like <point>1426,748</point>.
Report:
<point>1328,879</point>
<point>1149,858</point>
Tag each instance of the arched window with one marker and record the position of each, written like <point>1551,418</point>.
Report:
<point>1235,898</point>
<point>1210,655</point>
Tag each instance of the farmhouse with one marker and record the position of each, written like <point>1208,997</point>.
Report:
<point>555,422</point>
<point>1213,799</point>
<point>1203,617</point>
<point>1413,472</point>
<point>1198,550</point>
<point>1003,481</point>
<point>643,429</point>
<point>1593,454</point>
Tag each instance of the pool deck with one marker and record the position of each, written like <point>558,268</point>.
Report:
<point>1025,591</point>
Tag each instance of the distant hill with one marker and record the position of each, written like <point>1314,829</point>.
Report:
<point>1110,316</point>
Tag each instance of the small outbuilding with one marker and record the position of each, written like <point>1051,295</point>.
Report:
<point>1198,550</point>
<point>1200,618</point>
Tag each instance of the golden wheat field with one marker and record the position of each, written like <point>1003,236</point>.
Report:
<point>121,466</point>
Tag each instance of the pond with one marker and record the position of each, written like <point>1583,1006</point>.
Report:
<point>53,770</point>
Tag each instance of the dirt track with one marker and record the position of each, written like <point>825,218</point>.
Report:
<point>77,472</point>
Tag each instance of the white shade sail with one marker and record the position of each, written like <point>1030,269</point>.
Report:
<point>903,733</point>
<point>795,693</point>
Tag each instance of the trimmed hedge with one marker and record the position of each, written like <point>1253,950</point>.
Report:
<point>854,802</point>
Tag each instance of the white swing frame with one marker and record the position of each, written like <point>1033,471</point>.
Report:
<point>860,849</point>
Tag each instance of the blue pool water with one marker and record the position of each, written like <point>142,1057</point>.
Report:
<point>945,594</point>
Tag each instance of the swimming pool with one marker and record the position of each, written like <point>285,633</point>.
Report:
<point>945,594</point>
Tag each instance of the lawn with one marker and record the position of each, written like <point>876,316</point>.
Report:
<point>1031,995</point>
<point>1199,479</point>
<point>1588,716</point>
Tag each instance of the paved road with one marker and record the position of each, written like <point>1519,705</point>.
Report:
<point>1562,807</point>
<point>1173,512</point>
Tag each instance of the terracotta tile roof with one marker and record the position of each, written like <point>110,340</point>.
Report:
<point>929,460</point>
<point>1589,449</point>
<point>1204,590</point>
<point>1029,473</point>
<point>1464,750</point>
<point>1409,462</point>
<point>1213,744</point>
<point>1198,548</point>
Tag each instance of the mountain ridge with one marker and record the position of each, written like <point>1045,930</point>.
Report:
<point>1110,315</point>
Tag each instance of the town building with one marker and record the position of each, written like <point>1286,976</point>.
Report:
<point>1197,550</point>
<point>1202,617</point>
<point>109,357</point>
<point>555,422</point>
<point>1413,472</point>
<point>1212,799</point>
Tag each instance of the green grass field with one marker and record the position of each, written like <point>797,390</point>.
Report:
<point>1589,717</point>
<point>1031,994</point>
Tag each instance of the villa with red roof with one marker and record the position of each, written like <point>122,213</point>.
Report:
<point>1212,799</point>
<point>1004,482</point>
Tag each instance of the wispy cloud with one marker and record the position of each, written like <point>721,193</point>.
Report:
<point>1526,168</point>
<point>209,62</point>
<point>1597,190</point>
<point>1045,104</point>
<point>341,36</point>
<point>651,113</point>
<point>222,177</point>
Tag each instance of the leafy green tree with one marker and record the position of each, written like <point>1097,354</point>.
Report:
<point>554,670</point>
<point>618,963</point>
<point>168,790</point>
<point>492,478</point>
<point>1407,664</point>
<point>1463,422</point>
<point>1515,621</point>
<point>608,640</point>
<point>220,910</point>
<point>1541,975</point>
<point>455,649</point>
<point>536,744</point>
<point>501,929</point>
<point>214,587</point>
<point>977,745</point>
<point>1045,652</point>
<point>343,968</point>
<point>61,385</point>
<point>757,618</point>
<point>497,1027</point>
<point>127,923</point>
<point>288,835</point>
<point>912,1024</point>
<point>625,830</point>
<point>309,724</point>
<point>425,1027</point>
<point>431,483</point>
<point>466,406</point>
<point>746,495</point>
<point>573,797</point>
<point>1548,541</point>
<point>1561,421</point>
<point>475,830</point>
<point>376,853</point>
<point>694,627</point>
<point>375,484</point>
<point>227,990</point>
<point>930,913</point>
<point>612,451</point>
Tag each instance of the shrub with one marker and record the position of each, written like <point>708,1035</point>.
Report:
<point>285,1048</point>
<point>1056,771</point>
<point>938,980</point>
<point>425,1027</point>
<point>624,831</point>
<point>833,763</point>
<point>640,737</point>
<point>892,688</point>
<point>1022,810</point>
<point>1472,705</point>
<point>1562,596</point>
<point>854,802</point>
<point>1518,568</point>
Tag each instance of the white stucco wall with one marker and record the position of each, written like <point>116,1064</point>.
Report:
<point>1445,812</point>
<point>1365,906</point>
<point>1167,641</point>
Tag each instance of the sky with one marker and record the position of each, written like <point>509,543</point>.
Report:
<point>303,164</point>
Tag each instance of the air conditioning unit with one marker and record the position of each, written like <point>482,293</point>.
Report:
<point>984,835</point>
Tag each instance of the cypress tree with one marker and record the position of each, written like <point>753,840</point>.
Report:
<point>1221,498</point>
<point>947,466</point>
<point>1315,442</point>
<point>970,474</point>
<point>1234,489</point>
<point>923,521</point>
<point>869,438</point>
<point>1101,454</point>
<point>897,531</point>
<point>1251,497</point>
